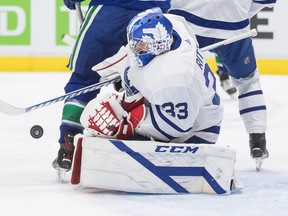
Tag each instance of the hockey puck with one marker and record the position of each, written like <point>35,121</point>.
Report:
<point>36,131</point>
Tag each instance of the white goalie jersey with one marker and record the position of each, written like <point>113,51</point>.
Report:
<point>180,89</point>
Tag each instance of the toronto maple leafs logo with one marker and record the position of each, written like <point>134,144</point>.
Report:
<point>160,41</point>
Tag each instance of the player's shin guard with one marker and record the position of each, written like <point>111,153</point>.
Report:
<point>251,103</point>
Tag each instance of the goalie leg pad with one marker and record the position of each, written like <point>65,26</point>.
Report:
<point>155,167</point>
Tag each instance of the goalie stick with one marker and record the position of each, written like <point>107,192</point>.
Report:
<point>67,39</point>
<point>12,110</point>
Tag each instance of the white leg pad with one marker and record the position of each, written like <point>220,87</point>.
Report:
<point>154,167</point>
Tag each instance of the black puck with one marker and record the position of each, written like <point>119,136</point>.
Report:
<point>36,131</point>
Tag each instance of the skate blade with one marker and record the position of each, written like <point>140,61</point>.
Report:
<point>61,173</point>
<point>258,162</point>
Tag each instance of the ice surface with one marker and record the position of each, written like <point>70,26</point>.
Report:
<point>28,184</point>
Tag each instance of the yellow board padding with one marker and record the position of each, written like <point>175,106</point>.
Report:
<point>33,64</point>
<point>58,64</point>
<point>265,66</point>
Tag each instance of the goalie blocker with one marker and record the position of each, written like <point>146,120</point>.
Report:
<point>152,167</point>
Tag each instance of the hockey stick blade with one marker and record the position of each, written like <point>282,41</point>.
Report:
<point>12,110</point>
<point>9,109</point>
<point>67,39</point>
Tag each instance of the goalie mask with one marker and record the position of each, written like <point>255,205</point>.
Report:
<point>149,34</point>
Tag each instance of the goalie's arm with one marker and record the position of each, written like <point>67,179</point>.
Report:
<point>113,65</point>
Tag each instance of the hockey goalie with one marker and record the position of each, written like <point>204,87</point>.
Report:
<point>158,135</point>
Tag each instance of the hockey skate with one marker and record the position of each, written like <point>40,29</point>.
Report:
<point>258,149</point>
<point>63,162</point>
<point>226,82</point>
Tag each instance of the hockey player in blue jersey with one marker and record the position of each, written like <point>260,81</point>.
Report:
<point>101,35</point>
<point>222,19</point>
<point>169,93</point>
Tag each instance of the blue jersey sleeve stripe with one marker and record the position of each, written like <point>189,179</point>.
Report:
<point>174,126</point>
<point>265,1</point>
<point>156,126</point>
<point>199,140</point>
<point>213,129</point>
<point>214,24</point>
<point>252,109</point>
<point>258,92</point>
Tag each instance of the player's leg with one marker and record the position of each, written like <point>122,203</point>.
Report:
<point>101,35</point>
<point>224,77</point>
<point>239,60</point>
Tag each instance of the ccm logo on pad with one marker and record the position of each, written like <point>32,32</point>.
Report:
<point>176,149</point>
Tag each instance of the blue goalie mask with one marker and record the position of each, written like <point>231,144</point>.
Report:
<point>149,34</point>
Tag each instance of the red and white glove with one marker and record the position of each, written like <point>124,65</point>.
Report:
<point>107,118</point>
<point>129,123</point>
<point>130,102</point>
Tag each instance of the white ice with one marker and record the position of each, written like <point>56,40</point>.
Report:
<point>28,184</point>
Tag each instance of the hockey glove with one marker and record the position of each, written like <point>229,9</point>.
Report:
<point>131,102</point>
<point>108,119</point>
<point>71,4</point>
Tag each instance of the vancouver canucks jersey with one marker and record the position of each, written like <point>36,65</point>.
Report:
<point>135,4</point>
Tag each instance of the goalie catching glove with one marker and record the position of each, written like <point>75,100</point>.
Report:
<point>105,117</point>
